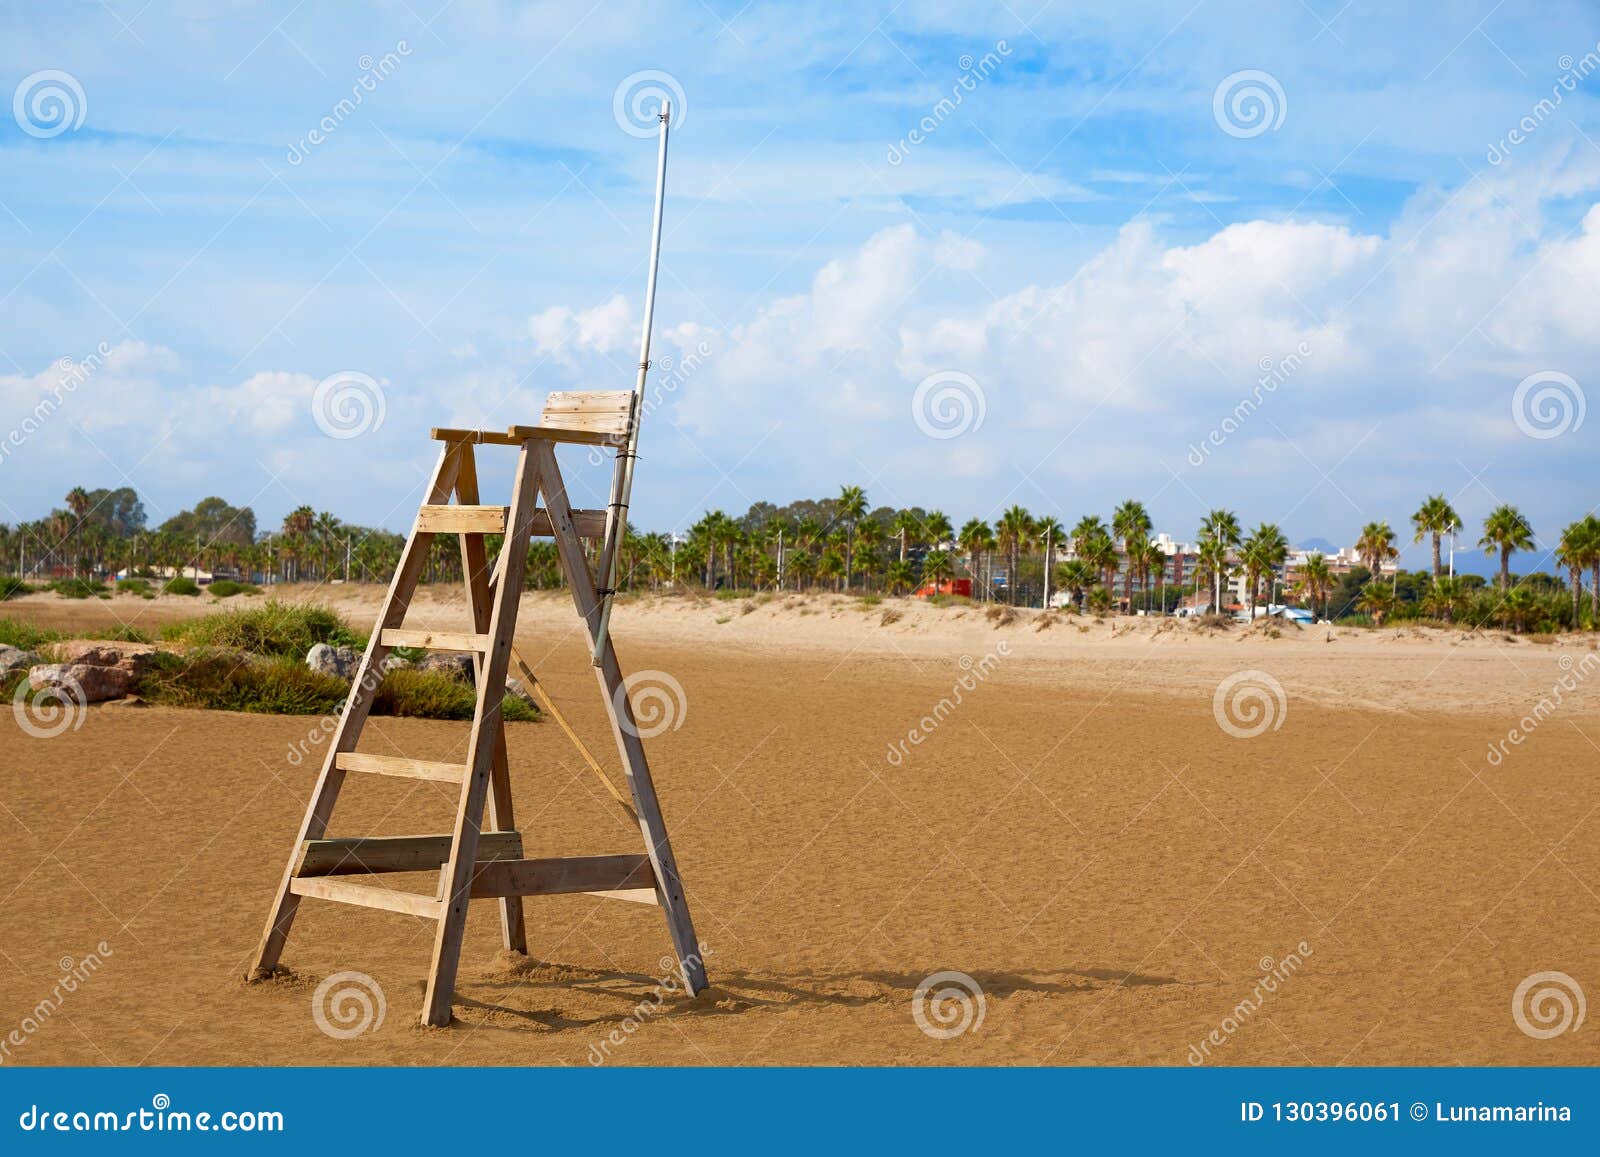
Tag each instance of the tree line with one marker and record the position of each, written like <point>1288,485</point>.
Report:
<point>844,544</point>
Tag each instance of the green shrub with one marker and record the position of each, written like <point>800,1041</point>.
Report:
<point>133,586</point>
<point>228,681</point>
<point>15,633</point>
<point>77,588</point>
<point>436,695</point>
<point>11,587</point>
<point>273,628</point>
<point>121,634</point>
<point>182,586</point>
<point>227,588</point>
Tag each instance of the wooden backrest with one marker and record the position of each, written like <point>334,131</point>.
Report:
<point>599,412</point>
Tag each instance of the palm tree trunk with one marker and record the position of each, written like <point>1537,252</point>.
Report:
<point>1436,556</point>
<point>1505,568</point>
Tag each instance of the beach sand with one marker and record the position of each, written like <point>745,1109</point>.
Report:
<point>1112,867</point>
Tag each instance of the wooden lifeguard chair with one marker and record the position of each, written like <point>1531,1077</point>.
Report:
<point>474,862</point>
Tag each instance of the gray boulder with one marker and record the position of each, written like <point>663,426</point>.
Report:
<point>82,682</point>
<point>14,659</point>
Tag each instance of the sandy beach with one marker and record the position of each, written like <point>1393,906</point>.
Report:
<point>1115,855</point>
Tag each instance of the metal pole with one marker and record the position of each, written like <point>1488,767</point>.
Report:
<point>622,484</point>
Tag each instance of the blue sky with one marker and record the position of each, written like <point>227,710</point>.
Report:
<point>1093,249</point>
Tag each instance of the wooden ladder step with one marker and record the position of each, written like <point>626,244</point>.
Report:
<point>368,896</point>
<point>599,875</point>
<point>435,640</point>
<point>359,855</point>
<point>458,519</point>
<point>398,765</point>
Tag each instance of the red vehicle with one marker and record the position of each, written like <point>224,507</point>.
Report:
<point>960,586</point>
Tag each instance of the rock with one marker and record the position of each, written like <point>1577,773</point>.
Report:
<point>340,661</point>
<point>456,666</point>
<point>515,687</point>
<point>82,682</point>
<point>14,659</point>
<point>134,658</point>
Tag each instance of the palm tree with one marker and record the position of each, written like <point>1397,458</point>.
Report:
<point>1435,517</point>
<point>974,538</point>
<point>1316,580</point>
<point>1592,554</point>
<point>1088,528</point>
<point>1219,527</point>
<point>1213,558</point>
<point>908,528</point>
<point>1101,553</point>
<point>1505,531</point>
<point>1378,601</point>
<point>1076,576</point>
<point>937,528</point>
<point>937,566</point>
<point>1376,547</point>
<point>902,576</point>
<point>1447,598</point>
<point>852,507</point>
<point>1262,554</point>
<point>1014,533</point>
<point>1572,552</point>
<point>1047,531</point>
<point>1131,523</point>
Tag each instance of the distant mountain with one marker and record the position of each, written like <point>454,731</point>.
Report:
<point>1318,544</point>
